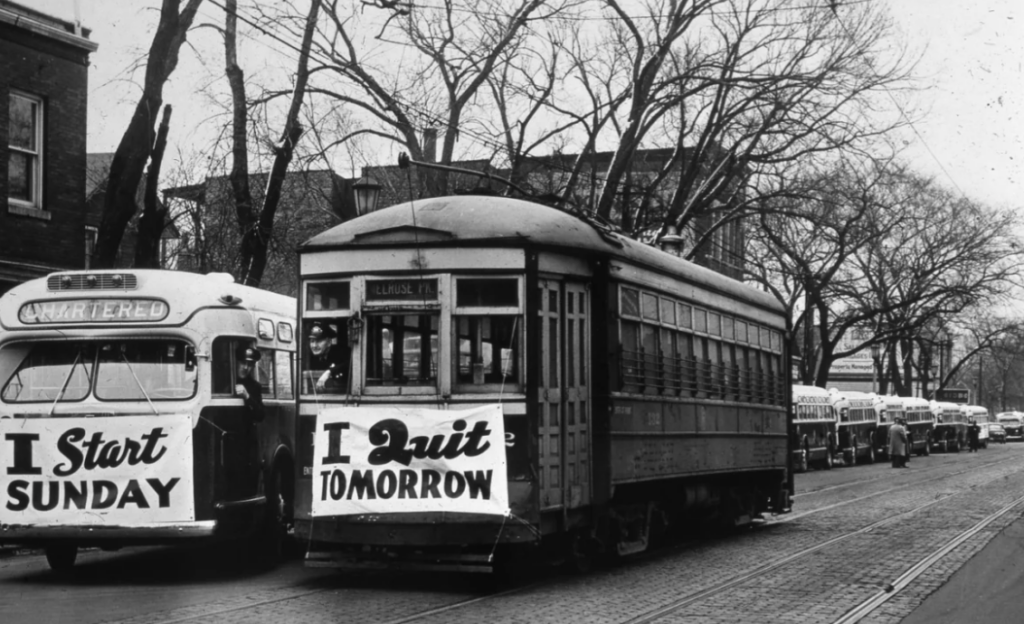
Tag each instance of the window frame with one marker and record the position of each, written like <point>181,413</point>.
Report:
<point>34,205</point>
<point>457,312</point>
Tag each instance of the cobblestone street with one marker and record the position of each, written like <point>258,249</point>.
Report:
<point>854,533</point>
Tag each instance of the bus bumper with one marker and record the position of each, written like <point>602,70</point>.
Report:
<point>90,534</point>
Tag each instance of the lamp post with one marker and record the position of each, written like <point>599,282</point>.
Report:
<point>876,354</point>
<point>367,191</point>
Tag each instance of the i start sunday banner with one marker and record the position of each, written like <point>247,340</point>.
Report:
<point>393,460</point>
<point>117,471</point>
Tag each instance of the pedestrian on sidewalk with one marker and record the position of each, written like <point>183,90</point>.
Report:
<point>898,444</point>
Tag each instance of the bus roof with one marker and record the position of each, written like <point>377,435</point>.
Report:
<point>916,402</point>
<point>800,392</point>
<point>503,221</point>
<point>183,292</point>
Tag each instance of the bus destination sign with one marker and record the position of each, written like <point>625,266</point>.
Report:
<point>93,311</point>
<point>401,290</point>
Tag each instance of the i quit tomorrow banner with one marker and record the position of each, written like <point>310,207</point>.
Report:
<point>394,460</point>
<point>119,471</point>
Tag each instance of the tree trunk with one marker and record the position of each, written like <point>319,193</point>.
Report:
<point>137,142</point>
<point>151,224</point>
<point>255,241</point>
<point>239,176</point>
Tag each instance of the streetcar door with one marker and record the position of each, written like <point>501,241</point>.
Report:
<point>564,423</point>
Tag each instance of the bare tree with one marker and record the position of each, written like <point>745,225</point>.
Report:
<point>136,144</point>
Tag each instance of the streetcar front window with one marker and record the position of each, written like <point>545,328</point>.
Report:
<point>488,350</point>
<point>401,349</point>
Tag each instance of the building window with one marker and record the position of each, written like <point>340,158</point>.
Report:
<point>92,233</point>
<point>25,154</point>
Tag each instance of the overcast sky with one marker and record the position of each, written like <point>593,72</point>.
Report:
<point>971,137</point>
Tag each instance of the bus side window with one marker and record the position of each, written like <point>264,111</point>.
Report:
<point>265,372</point>
<point>283,374</point>
<point>222,369</point>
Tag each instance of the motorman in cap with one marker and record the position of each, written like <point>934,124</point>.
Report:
<point>247,387</point>
<point>326,356</point>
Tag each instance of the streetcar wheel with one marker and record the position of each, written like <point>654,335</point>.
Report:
<point>61,558</point>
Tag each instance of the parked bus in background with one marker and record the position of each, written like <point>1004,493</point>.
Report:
<point>518,382</point>
<point>814,426</point>
<point>129,415</point>
<point>887,409</point>
<point>920,424</point>
<point>1013,423</point>
<point>950,427</point>
<point>979,415</point>
<point>856,425</point>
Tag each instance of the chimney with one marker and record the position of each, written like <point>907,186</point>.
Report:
<point>430,145</point>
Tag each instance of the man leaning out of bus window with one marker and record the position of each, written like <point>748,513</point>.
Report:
<point>325,355</point>
<point>247,387</point>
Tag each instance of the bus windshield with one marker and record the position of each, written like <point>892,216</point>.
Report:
<point>124,370</point>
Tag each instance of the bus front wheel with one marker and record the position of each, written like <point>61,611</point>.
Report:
<point>61,557</point>
<point>272,539</point>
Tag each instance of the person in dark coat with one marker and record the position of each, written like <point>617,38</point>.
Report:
<point>244,442</point>
<point>246,386</point>
<point>898,444</point>
<point>973,435</point>
<point>326,356</point>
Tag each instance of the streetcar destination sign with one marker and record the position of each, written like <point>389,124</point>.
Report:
<point>401,290</point>
<point>370,460</point>
<point>93,311</point>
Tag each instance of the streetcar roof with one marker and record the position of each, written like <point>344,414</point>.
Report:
<point>497,221</point>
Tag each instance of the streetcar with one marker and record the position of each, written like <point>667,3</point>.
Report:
<point>950,433</point>
<point>856,426</point>
<point>814,427</point>
<point>520,384</point>
<point>122,419</point>
<point>920,424</point>
<point>888,409</point>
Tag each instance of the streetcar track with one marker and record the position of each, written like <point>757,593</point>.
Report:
<point>739,579</point>
<point>892,589</point>
<point>654,614</point>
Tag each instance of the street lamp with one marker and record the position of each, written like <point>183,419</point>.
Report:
<point>876,354</point>
<point>367,191</point>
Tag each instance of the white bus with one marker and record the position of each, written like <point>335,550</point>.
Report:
<point>920,424</point>
<point>121,420</point>
<point>857,424</point>
<point>814,426</point>
<point>888,408</point>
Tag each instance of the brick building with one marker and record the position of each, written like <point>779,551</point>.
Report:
<point>43,95</point>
